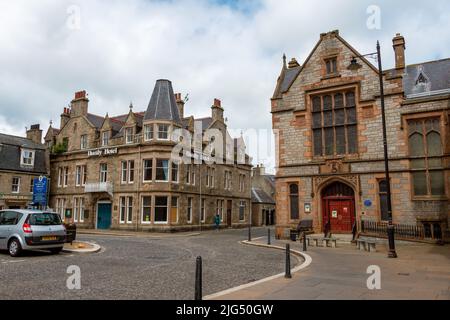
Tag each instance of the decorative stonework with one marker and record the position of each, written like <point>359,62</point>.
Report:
<point>335,167</point>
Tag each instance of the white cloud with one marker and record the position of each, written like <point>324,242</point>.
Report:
<point>207,50</point>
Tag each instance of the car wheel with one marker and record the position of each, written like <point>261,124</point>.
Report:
<point>14,248</point>
<point>56,250</point>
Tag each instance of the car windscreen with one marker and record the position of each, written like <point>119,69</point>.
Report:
<point>44,219</point>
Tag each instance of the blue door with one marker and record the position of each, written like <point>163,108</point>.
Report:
<point>104,216</point>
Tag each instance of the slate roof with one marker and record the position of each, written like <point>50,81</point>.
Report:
<point>163,105</point>
<point>10,152</point>
<point>435,76</point>
<point>289,78</point>
<point>259,196</point>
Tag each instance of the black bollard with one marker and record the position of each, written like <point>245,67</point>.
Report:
<point>304,242</point>
<point>198,280</point>
<point>268,236</point>
<point>288,262</point>
<point>249,233</point>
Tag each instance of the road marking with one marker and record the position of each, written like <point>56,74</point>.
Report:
<point>11,261</point>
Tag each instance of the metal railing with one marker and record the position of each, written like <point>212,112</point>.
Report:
<point>99,187</point>
<point>425,231</point>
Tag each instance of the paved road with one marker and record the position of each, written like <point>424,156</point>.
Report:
<point>420,272</point>
<point>141,268</point>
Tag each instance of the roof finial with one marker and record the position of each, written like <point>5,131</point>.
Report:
<point>131,105</point>
<point>51,123</point>
<point>284,61</point>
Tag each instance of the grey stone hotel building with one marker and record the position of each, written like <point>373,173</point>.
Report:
<point>117,172</point>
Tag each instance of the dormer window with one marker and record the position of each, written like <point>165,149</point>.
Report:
<point>84,142</point>
<point>148,132</point>
<point>105,139</point>
<point>27,158</point>
<point>163,132</point>
<point>331,65</point>
<point>129,135</point>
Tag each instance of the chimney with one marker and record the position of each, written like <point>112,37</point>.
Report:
<point>79,105</point>
<point>293,63</point>
<point>35,133</point>
<point>399,50</point>
<point>180,104</point>
<point>259,171</point>
<point>217,111</point>
<point>65,116</point>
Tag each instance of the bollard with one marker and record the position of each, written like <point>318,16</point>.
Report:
<point>268,236</point>
<point>304,242</point>
<point>198,280</point>
<point>288,262</point>
<point>249,233</point>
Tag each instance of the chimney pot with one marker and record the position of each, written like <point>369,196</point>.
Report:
<point>217,103</point>
<point>80,95</point>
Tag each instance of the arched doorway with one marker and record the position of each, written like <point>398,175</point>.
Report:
<point>338,208</point>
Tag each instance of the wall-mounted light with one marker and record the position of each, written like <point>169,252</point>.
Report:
<point>354,65</point>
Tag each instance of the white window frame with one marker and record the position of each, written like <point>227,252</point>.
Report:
<point>203,211</point>
<point>151,170</point>
<point>82,208</point>
<point>242,204</point>
<point>124,172</point>
<point>31,185</point>
<point>189,210</point>
<point>161,132</point>
<point>168,169</point>
<point>31,157</point>
<point>129,171</point>
<point>220,203</point>
<point>142,210</point>
<point>78,176</point>
<point>122,209</point>
<point>149,132</point>
<point>103,173</point>
<point>83,175</point>
<point>129,137</point>
<point>130,208</point>
<point>167,210</point>
<point>83,142</point>
<point>75,209</point>
<point>15,184</point>
<point>60,177</point>
<point>65,177</point>
<point>105,138</point>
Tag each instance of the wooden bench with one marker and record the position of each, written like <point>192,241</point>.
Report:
<point>328,240</point>
<point>366,245</point>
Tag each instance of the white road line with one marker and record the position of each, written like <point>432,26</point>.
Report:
<point>298,254</point>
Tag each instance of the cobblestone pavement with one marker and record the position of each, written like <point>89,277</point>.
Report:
<point>420,272</point>
<point>141,268</point>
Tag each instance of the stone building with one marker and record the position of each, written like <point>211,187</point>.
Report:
<point>21,161</point>
<point>117,172</point>
<point>263,197</point>
<point>327,116</point>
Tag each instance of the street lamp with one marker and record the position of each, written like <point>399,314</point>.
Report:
<point>354,65</point>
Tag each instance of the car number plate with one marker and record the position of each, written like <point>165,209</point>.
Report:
<point>49,238</point>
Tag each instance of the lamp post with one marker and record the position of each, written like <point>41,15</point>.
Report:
<point>390,229</point>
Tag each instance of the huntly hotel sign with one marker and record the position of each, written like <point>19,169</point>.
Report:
<point>102,152</point>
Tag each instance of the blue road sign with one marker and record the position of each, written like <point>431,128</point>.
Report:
<point>40,190</point>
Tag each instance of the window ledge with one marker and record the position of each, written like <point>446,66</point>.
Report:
<point>430,198</point>
<point>331,76</point>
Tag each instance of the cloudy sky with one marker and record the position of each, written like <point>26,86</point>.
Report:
<point>227,49</point>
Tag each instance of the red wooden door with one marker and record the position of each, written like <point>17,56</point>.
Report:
<point>340,214</point>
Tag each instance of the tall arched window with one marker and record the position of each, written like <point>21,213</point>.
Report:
<point>425,150</point>
<point>294,201</point>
